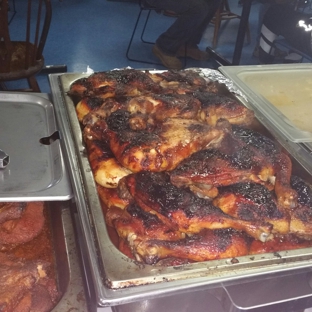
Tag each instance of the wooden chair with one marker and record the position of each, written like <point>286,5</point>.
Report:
<point>224,14</point>
<point>24,59</point>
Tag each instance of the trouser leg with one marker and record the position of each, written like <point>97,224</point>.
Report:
<point>192,15</point>
<point>213,6</point>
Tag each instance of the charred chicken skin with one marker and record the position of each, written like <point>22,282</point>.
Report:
<point>134,226</point>
<point>207,107</point>
<point>127,82</point>
<point>276,165</point>
<point>301,216</point>
<point>154,193</point>
<point>178,167</point>
<point>88,104</point>
<point>131,82</point>
<point>251,202</point>
<point>163,148</point>
<point>215,107</point>
<point>106,169</point>
<point>151,108</point>
<point>205,171</point>
<point>207,245</point>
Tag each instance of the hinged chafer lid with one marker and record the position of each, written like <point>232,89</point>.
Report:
<point>32,165</point>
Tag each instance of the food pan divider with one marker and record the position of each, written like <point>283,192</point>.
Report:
<point>117,279</point>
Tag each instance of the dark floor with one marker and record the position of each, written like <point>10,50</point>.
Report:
<point>95,34</point>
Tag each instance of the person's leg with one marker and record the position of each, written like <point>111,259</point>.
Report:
<point>212,7</point>
<point>192,13</point>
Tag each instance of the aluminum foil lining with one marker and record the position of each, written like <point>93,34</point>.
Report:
<point>215,75</point>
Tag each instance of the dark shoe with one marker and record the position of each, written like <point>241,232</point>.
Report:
<point>193,52</point>
<point>168,61</point>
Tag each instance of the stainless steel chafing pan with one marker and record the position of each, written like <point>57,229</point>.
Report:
<point>116,278</point>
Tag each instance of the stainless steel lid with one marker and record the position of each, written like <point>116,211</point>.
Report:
<point>32,165</point>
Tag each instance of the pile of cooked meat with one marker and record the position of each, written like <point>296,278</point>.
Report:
<point>27,276</point>
<point>182,172</point>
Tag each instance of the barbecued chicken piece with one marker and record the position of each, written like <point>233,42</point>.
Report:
<point>206,245</point>
<point>278,243</point>
<point>135,226</point>
<point>252,202</point>
<point>154,193</point>
<point>91,109</point>
<point>105,168</point>
<point>276,165</point>
<point>17,279</point>
<point>183,81</point>
<point>133,223</point>
<point>86,105</point>
<point>162,106</point>
<point>243,155</point>
<point>163,148</point>
<point>215,107</point>
<point>17,231</point>
<point>114,83</point>
<point>301,216</point>
<point>110,197</point>
<point>11,210</point>
<point>150,108</point>
<point>205,171</point>
<point>188,76</point>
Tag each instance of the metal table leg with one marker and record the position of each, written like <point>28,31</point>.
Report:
<point>239,40</point>
<point>241,32</point>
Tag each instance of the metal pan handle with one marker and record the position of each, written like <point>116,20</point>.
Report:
<point>4,159</point>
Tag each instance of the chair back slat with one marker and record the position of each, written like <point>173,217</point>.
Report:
<point>5,42</point>
<point>45,27</point>
<point>28,28</point>
<point>36,23</point>
<point>37,32</point>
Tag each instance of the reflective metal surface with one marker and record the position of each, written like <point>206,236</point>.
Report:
<point>34,166</point>
<point>119,280</point>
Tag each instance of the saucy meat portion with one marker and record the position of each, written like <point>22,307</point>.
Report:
<point>27,273</point>
<point>182,173</point>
